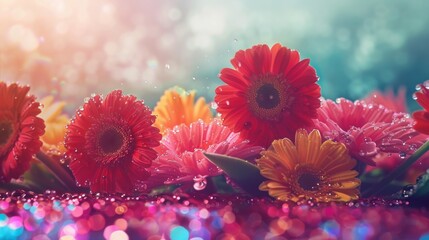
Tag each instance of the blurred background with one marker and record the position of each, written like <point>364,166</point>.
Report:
<point>73,48</point>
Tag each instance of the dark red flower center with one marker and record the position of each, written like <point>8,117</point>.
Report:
<point>267,96</point>
<point>6,131</point>
<point>7,135</point>
<point>110,141</point>
<point>309,181</point>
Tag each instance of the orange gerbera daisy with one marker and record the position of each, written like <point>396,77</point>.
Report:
<point>177,107</point>
<point>56,122</point>
<point>308,170</point>
<point>269,94</point>
<point>20,130</point>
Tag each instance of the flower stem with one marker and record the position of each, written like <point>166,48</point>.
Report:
<point>376,188</point>
<point>57,170</point>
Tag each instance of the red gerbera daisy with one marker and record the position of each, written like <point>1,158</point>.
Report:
<point>421,117</point>
<point>269,94</point>
<point>181,156</point>
<point>366,129</point>
<point>110,143</point>
<point>20,130</point>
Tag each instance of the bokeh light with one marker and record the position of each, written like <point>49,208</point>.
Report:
<point>218,217</point>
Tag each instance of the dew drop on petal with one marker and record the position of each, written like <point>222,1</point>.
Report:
<point>200,182</point>
<point>418,87</point>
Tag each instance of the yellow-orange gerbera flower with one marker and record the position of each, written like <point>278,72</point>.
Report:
<point>177,106</point>
<point>56,122</point>
<point>308,170</point>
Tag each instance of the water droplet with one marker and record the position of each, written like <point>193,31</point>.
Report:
<point>408,191</point>
<point>418,87</point>
<point>214,105</point>
<point>402,155</point>
<point>426,84</point>
<point>200,182</point>
<point>167,66</point>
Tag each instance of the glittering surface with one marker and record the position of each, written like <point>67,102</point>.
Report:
<point>25,215</point>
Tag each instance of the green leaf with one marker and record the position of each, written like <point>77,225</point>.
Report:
<point>246,175</point>
<point>422,186</point>
<point>11,186</point>
<point>368,179</point>
<point>397,172</point>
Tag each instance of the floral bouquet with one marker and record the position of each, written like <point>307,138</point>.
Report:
<point>273,136</point>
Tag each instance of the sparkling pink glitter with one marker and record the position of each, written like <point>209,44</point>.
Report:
<point>26,215</point>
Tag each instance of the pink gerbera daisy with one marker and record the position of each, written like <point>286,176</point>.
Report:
<point>396,103</point>
<point>20,130</point>
<point>388,161</point>
<point>181,156</point>
<point>269,94</point>
<point>110,143</point>
<point>366,129</point>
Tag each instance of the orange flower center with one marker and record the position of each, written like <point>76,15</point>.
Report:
<point>110,141</point>
<point>268,97</point>
<point>309,181</point>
